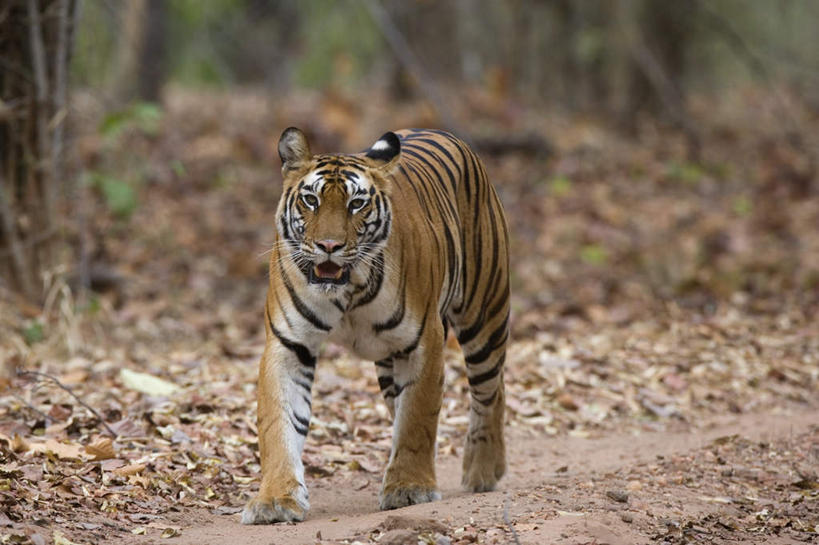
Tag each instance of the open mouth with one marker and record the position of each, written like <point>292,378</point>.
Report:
<point>328,272</point>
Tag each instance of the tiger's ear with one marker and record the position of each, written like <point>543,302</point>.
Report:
<point>293,149</point>
<point>385,152</point>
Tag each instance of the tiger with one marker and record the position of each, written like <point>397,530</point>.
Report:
<point>384,251</point>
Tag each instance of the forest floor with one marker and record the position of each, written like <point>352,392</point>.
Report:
<point>662,378</point>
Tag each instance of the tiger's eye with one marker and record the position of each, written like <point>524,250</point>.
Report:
<point>310,200</point>
<point>356,204</point>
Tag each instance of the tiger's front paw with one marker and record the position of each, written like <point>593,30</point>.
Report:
<point>402,495</point>
<point>268,511</point>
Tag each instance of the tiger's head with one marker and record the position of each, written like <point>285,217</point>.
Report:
<point>335,212</point>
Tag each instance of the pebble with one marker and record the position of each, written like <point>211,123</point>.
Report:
<point>627,517</point>
<point>618,495</point>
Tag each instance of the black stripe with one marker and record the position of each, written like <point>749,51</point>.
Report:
<point>304,384</point>
<point>496,339</point>
<point>386,364</point>
<point>374,280</point>
<point>428,152</point>
<point>384,382</point>
<point>400,354</point>
<point>492,373</point>
<point>397,316</point>
<point>306,312</point>
<point>302,353</point>
<point>397,389</point>
<point>302,420</point>
<point>299,429</point>
<point>442,149</point>
<point>488,401</point>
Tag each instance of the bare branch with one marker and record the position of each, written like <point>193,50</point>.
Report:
<point>32,408</point>
<point>18,258</point>
<point>509,522</point>
<point>60,88</point>
<point>72,394</point>
<point>42,92</point>
<point>407,58</point>
<point>663,85</point>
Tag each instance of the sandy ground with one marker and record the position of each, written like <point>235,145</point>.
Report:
<point>614,489</point>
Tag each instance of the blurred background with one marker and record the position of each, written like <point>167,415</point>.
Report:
<point>657,161</point>
<point>651,155</point>
<point>647,152</point>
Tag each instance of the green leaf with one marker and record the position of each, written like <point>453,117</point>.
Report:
<point>119,196</point>
<point>688,173</point>
<point>560,185</point>
<point>144,116</point>
<point>33,332</point>
<point>594,254</point>
<point>743,206</point>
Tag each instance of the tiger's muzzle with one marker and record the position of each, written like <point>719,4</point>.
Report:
<point>328,272</point>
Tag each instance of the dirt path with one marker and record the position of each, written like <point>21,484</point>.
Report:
<point>696,483</point>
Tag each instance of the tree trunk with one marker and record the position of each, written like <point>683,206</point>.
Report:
<point>35,41</point>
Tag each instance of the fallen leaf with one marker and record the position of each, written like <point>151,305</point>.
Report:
<point>567,402</point>
<point>60,450</point>
<point>170,532</point>
<point>60,539</point>
<point>147,384</point>
<point>130,469</point>
<point>101,449</point>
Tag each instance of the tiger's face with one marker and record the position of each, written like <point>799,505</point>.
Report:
<point>335,211</point>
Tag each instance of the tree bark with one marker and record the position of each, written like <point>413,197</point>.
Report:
<point>35,41</point>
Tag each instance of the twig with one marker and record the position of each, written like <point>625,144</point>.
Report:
<point>668,92</point>
<point>509,522</point>
<point>33,408</point>
<point>41,87</point>
<point>60,89</point>
<point>32,241</point>
<point>18,258</point>
<point>72,394</point>
<point>406,57</point>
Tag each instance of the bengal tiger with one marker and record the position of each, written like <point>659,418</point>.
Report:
<point>383,251</point>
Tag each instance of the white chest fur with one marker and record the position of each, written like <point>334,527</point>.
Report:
<point>362,331</point>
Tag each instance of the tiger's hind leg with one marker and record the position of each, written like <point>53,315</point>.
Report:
<point>484,460</point>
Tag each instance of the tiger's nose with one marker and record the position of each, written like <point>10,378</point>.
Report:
<point>329,245</point>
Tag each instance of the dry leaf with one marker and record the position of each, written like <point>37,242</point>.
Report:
<point>130,469</point>
<point>101,449</point>
<point>61,450</point>
<point>60,539</point>
<point>170,532</point>
<point>147,384</point>
<point>567,402</point>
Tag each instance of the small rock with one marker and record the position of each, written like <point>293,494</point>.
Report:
<point>442,540</point>
<point>634,486</point>
<point>627,517</point>
<point>419,524</point>
<point>403,536</point>
<point>618,495</point>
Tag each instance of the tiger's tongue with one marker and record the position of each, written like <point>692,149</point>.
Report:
<point>328,269</point>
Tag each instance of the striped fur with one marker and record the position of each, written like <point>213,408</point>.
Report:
<point>384,251</point>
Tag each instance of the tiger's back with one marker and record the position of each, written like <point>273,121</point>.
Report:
<point>383,251</point>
